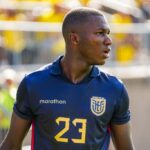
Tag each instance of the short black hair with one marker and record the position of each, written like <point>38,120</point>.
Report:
<point>78,16</point>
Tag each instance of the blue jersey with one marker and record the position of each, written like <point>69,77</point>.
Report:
<point>68,116</point>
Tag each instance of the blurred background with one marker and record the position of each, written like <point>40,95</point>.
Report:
<point>30,36</point>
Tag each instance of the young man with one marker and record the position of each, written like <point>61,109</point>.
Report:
<point>71,104</point>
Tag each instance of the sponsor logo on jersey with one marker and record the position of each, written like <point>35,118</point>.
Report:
<point>53,101</point>
<point>98,105</point>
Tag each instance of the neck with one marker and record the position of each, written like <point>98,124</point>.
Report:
<point>75,69</point>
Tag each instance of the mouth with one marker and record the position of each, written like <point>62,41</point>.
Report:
<point>106,53</point>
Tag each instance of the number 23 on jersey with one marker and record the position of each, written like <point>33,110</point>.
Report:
<point>58,137</point>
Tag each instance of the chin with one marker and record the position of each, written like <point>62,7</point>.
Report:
<point>98,63</point>
<point>101,62</point>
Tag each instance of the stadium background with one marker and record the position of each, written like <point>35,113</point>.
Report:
<point>30,36</point>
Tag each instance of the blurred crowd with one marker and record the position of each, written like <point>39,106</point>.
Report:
<point>18,47</point>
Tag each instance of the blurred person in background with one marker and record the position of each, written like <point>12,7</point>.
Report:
<point>126,44</point>
<point>144,6</point>
<point>46,42</point>
<point>10,37</point>
<point>71,103</point>
<point>3,53</point>
<point>7,99</point>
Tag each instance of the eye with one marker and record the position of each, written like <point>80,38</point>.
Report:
<point>100,33</point>
<point>103,33</point>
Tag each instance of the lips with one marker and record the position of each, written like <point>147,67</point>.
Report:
<point>106,53</point>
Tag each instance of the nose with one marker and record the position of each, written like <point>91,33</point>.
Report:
<point>108,40</point>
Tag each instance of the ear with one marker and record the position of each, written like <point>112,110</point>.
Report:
<point>74,38</point>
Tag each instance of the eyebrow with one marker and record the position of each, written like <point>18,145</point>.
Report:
<point>107,30</point>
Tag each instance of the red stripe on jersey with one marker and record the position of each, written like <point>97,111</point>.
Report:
<point>109,130</point>
<point>32,138</point>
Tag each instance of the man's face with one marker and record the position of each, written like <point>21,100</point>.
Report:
<point>94,43</point>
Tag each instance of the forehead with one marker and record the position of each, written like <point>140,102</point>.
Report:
<point>97,22</point>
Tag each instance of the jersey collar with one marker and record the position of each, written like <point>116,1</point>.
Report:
<point>55,69</point>
<point>95,72</point>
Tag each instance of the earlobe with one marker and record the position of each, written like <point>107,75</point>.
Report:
<point>74,38</point>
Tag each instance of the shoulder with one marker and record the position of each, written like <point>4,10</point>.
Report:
<point>46,70</point>
<point>41,71</point>
<point>39,74</point>
<point>110,79</point>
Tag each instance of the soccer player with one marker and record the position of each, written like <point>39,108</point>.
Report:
<point>71,103</point>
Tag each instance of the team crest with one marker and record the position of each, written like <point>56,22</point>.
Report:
<point>98,105</point>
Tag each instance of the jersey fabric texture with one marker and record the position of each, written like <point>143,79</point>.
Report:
<point>68,116</point>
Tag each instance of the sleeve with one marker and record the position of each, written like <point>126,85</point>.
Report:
<point>22,107</point>
<point>121,113</point>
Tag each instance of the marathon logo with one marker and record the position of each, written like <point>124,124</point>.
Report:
<point>54,101</point>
